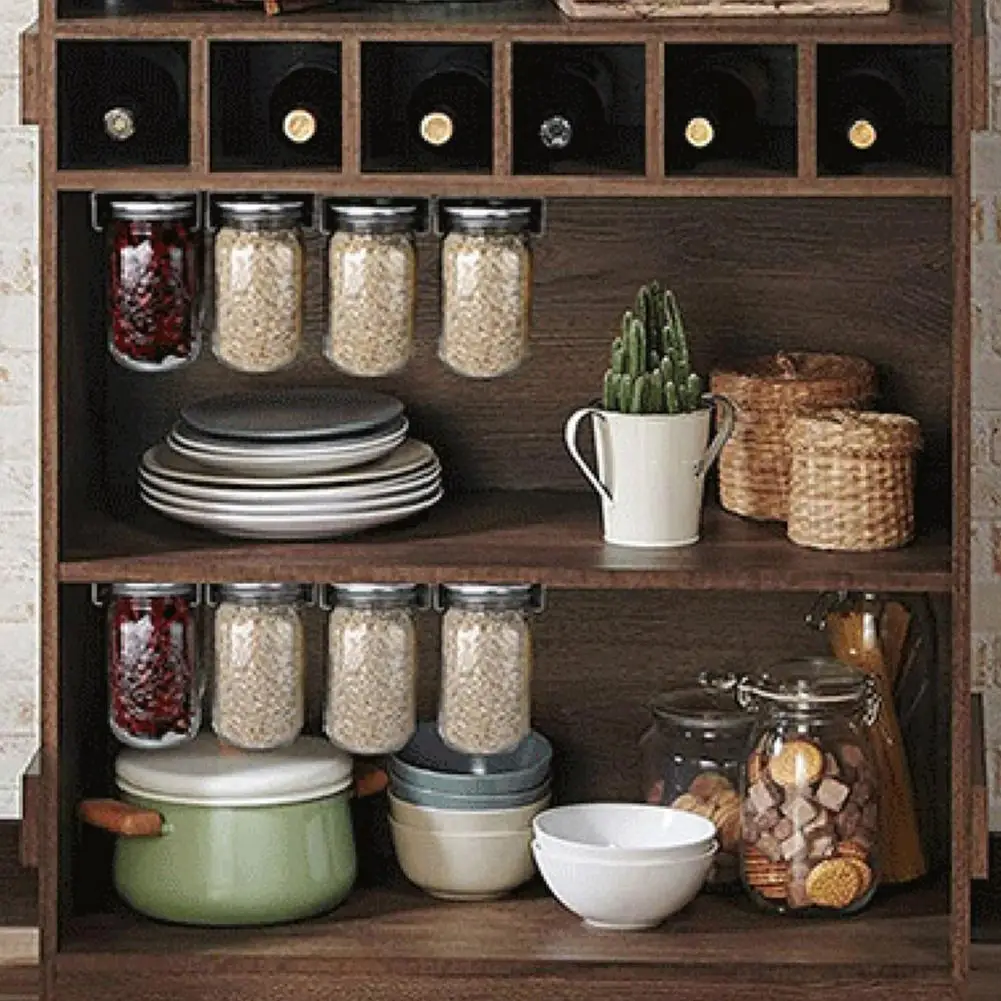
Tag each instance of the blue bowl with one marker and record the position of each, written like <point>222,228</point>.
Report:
<point>462,801</point>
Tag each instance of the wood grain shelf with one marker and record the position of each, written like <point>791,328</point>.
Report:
<point>552,538</point>
<point>718,947</point>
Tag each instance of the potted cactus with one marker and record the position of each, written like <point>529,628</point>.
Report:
<point>651,431</point>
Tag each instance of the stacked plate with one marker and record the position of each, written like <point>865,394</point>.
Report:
<point>295,465</point>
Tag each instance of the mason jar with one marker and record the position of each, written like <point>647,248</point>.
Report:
<point>153,263</point>
<point>155,683</point>
<point>486,289</point>
<point>371,705</point>
<point>372,267</point>
<point>809,789</point>
<point>260,664</point>
<point>486,666</point>
<point>691,757</point>
<point>259,258</point>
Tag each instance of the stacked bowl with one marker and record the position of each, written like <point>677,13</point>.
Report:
<point>462,825</point>
<point>623,866</point>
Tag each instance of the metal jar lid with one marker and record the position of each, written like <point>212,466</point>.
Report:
<point>375,218</point>
<point>488,219</point>
<point>376,594</point>
<point>154,590</point>
<point>487,596</point>
<point>249,212</point>
<point>701,708</point>
<point>263,593</point>
<point>152,209</point>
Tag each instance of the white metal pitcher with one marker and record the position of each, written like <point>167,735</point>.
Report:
<point>651,470</point>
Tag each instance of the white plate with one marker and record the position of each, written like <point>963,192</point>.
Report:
<point>298,464</point>
<point>376,503</point>
<point>410,457</point>
<point>263,495</point>
<point>194,440</point>
<point>295,527</point>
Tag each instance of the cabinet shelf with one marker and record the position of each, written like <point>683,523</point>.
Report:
<point>383,938</point>
<point>553,538</point>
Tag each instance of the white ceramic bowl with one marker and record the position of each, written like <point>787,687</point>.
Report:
<point>430,818</point>
<point>464,866</point>
<point>622,896</point>
<point>625,831</point>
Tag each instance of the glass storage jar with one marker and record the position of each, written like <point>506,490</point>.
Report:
<point>259,280</point>
<point>372,667</point>
<point>486,278</point>
<point>809,789</point>
<point>486,666</point>
<point>373,289</point>
<point>155,684</point>
<point>260,663</point>
<point>152,283</point>
<point>691,761</point>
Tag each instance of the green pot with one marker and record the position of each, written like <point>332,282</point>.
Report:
<point>211,836</point>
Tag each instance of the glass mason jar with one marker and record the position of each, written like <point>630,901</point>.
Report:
<point>373,289</point>
<point>155,684</point>
<point>486,667</point>
<point>260,665</point>
<point>372,667</point>
<point>691,761</point>
<point>809,789</point>
<point>259,283</point>
<point>486,277</point>
<point>152,283</point>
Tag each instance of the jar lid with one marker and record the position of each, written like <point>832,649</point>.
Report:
<point>375,590</point>
<point>381,218</point>
<point>701,708</point>
<point>153,590</point>
<point>488,218</point>
<point>251,210</point>
<point>263,592</point>
<point>487,595</point>
<point>809,681</point>
<point>205,772</point>
<point>152,209</point>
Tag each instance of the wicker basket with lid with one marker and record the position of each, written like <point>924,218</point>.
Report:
<point>852,480</point>
<point>767,392</point>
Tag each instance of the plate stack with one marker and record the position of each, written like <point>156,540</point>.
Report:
<point>293,465</point>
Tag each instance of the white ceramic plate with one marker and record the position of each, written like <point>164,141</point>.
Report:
<point>410,457</point>
<point>297,526</point>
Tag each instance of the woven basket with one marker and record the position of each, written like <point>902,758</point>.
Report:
<point>852,480</point>
<point>766,393</point>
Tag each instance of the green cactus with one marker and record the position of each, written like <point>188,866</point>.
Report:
<point>651,369</point>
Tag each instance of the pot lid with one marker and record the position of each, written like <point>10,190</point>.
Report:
<point>205,772</point>
<point>701,708</point>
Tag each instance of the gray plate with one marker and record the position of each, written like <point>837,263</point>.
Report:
<point>293,414</point>
<point>426,763</point>
<point>444,801</point>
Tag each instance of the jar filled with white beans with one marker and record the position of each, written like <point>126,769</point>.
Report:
<point>260,665</point>
<point>259,261</point>
<point>486,289</point>
<point>373,289</point>
<point>486,666</point>
<point>371,705</point>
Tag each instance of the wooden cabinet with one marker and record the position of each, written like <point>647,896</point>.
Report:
<point>797,258</point>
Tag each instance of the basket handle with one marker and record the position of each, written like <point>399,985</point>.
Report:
<point>787,367</point>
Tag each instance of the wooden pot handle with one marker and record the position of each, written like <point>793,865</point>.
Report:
<point>121,818</point>
<point>369,780</point>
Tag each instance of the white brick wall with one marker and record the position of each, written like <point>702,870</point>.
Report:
<point>19,438</point>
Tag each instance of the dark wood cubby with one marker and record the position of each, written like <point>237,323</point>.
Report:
<point>762,259</point>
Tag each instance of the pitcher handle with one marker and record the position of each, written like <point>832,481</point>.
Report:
<point>570,437</point>
<point>724,428</point>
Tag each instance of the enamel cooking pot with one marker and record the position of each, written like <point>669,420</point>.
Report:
<point>211,835</point>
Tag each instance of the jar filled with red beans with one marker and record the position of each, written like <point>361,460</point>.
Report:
<point>155,684</point>
<point>152,283</point>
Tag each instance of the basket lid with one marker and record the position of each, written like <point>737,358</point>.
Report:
<point>852,432</point>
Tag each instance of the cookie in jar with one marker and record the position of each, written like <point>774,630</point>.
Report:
<point>691,757</point>
<point>809,810</point>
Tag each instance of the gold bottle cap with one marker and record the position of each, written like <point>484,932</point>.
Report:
<point>299,125</point>
<point>862,134</point>
<point>119,124</point>
<point>699,132</point>
<point>436,128</point>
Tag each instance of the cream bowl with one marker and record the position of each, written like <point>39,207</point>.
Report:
<point>622,896</point>
<point>633,832</point>
<point>463,866</point>
<point>430,818</point>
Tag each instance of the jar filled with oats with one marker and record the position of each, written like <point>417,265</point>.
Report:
<point>259,274</point>
<point>372,667</point>
<point>809,789</point>
<point>486,666</point>
<point>486,278</point>
<point>260,663</point>
<point>373,289</point>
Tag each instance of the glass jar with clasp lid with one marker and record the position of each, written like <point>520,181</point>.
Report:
<point>809,788</point>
